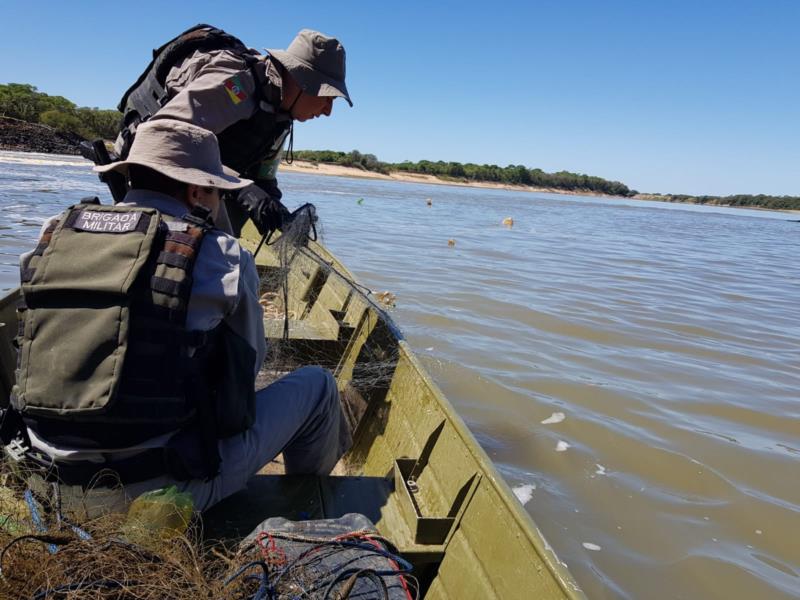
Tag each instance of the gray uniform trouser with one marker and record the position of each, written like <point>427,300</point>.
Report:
<point>299,415</point>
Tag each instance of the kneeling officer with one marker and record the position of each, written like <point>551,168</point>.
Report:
<point>141,336</point>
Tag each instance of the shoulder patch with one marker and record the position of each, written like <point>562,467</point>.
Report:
<point>235,89</point>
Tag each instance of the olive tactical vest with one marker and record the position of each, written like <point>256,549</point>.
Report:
<point>104,354</point>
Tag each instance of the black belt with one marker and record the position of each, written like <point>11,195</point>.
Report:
<point>141,467</point>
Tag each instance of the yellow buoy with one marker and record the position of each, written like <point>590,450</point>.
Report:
<point>451,242</point>
<point>508,222</point>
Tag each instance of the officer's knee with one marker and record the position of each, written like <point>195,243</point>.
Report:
<point>322,381</point>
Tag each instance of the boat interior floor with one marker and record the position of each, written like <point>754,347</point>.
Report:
<point>298,498</point>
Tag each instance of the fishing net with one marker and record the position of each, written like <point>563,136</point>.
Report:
<point>46,552</point>
<point>314,310</point>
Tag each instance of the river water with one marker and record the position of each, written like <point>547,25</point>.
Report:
<point>631,367</point>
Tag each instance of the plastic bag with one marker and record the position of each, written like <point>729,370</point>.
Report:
<point>165,513</point>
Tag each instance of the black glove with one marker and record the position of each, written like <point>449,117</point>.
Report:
<point>262,200</point>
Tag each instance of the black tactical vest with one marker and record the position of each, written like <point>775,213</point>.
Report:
<point>105,358</point>
<point>242,145</point>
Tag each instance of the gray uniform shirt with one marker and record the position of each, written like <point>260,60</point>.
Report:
<point>224,287</point>
<point>217,89</point>
<point>213,90</point>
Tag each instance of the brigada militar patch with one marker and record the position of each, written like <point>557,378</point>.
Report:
<point>235,90</point>
<point>107,222</point>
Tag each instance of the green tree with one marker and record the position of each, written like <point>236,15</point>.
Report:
<point>62,121</point>
<point>19,101</point>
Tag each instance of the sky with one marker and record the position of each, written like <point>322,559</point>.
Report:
<point>699,97</point>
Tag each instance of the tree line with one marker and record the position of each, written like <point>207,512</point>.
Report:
<point>513,174</point>
<point>742,200</point>
<point>521,175</point>
<point>23,101</point>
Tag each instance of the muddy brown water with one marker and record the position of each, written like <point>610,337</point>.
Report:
<point>631,367</point>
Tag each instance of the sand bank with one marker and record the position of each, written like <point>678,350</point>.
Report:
<point>301,166</point>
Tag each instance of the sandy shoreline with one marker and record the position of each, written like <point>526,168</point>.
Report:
<point>301,166</point>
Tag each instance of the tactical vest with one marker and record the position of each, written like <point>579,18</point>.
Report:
<point>105,358</point>
<point>244,144</point>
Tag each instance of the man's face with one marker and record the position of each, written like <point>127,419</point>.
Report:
<point>205,196</point>
<point>309,107</point>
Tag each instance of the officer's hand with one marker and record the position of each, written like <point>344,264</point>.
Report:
<point>270,215</point>
<point>264,206</point>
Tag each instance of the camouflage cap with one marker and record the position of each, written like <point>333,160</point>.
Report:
<point>317,62</point>
<point>181,151</point>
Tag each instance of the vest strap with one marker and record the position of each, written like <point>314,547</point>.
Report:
<point>141,467</point>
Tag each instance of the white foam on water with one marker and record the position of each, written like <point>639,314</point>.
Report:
<point>43,160</point>
<point>556,417</point>
<point>591,546</point>
<point>429,349</point>
<point>601,470</point>
<point>758,532</point>
<point>524,492</point>
<point>562,446</point>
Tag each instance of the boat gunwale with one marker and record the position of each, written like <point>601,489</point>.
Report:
<point>523,519</point>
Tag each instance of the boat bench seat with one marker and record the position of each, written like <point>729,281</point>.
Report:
<point>300,329</point>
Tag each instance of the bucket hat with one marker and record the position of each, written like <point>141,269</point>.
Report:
<point>181,151</point>
<point>317,62</point>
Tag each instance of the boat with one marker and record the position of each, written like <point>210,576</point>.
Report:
<point>414,470</point>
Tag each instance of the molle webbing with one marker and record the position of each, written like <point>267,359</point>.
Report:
<point>171,283</point>
<point>29,268</point>
<point>27,271</point>
<point>158,367</point>
<point>103,344</point>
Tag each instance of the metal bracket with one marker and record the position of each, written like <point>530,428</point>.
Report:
<point>435,530</point>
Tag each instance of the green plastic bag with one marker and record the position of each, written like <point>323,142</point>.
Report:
<point>15,517</point>
<point>163,513</point>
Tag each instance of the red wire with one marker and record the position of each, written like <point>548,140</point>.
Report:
<point>375,543</point>
<point>272,548</point>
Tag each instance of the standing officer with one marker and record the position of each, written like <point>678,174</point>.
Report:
<point>211,79</point>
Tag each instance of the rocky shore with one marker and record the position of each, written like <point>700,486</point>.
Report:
<point>22,136</point>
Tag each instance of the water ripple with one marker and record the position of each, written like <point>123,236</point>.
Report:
<point>666,335</point>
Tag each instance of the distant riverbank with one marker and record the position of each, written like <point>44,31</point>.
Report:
<point>21,136</point>
<point>301,166</point>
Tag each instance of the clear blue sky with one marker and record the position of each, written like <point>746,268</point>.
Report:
<point>684,97</point>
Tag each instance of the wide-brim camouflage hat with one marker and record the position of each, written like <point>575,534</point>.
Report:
<point>181,151</point>
<point>317,63</point>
